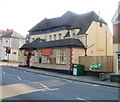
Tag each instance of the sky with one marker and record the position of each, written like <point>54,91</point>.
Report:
<point>22,15</point>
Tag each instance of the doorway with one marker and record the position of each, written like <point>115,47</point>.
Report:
<point>28,59</point>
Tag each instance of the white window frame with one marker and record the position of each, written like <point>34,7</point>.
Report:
<point>61,56</point>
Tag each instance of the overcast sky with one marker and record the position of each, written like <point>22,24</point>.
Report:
<point>22,15</point>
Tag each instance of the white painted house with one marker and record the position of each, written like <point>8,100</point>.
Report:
<point>13,40</point>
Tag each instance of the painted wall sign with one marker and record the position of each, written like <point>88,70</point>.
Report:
<point>46,52</point>
<point>95,66</point>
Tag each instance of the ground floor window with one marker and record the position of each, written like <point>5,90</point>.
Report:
<point>53,56</point>
<point>46,59</point>
<point>60,56</point>
<point>14,53</point>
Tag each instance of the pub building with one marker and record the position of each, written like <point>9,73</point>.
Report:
<point>52,54</point>
<point>57,43</point>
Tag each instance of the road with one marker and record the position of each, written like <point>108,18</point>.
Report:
<point>21,85</point>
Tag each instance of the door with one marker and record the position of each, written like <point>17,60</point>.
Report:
<point>28,58</point>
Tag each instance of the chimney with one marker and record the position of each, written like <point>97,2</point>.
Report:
<point>2,31</point>
<point>9,30</point>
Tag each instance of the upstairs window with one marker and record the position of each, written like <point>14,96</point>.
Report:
<point>73,35</point>
<point>100,24</point>
<point>6,43</point>
<point>33,39</point>
<point>60,36</point>
<point>50,37</point>
<point>54,36</point>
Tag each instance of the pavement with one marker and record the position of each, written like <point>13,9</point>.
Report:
<point>85,79</point>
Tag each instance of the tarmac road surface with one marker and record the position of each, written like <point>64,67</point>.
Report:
<point>21,85</point>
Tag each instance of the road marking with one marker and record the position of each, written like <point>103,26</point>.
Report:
<point>80,98</point>
<point>54,89</point>
<point>96,85</point>
<point>19,78</point>
<point>11,75</point>
<point>32,82</point>
<point>67,80</point>
<point>45,86</point>
<point>49,88</point>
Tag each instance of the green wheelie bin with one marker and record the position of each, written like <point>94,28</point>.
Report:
<point>78,70</point>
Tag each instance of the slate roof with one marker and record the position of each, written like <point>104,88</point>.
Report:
<point>9,34</point>
<point>38,44</point>
<point>12,34</point>
<point>116,16</point>
<point>67,21</point>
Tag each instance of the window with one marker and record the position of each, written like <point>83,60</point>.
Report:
<point>46,59</point>
<point>6,43</point>
<point>50,37</point>
<point>119,61</point>
<point>54,37</point>
<point>60,36</point>
<point>60,56</point>
<point>40,60</point>
<point>73,35</point>
<point>119,56</point>
<point>14,53</point>
<point>33,39</point>
<point>100,24</point>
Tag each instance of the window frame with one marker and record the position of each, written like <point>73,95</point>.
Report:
<point>61,56</point>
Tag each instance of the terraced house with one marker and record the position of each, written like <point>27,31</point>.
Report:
<point>58,42</point>
<point>13,40</point>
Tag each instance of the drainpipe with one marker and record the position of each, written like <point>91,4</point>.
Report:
<point>86,45</point>
<point>106,40</point>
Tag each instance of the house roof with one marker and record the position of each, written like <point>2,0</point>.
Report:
<point>9,34</point>
<point>116,17</point>
<point>12,34</point>
<point>38,44</point>
<point>69,20</point>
